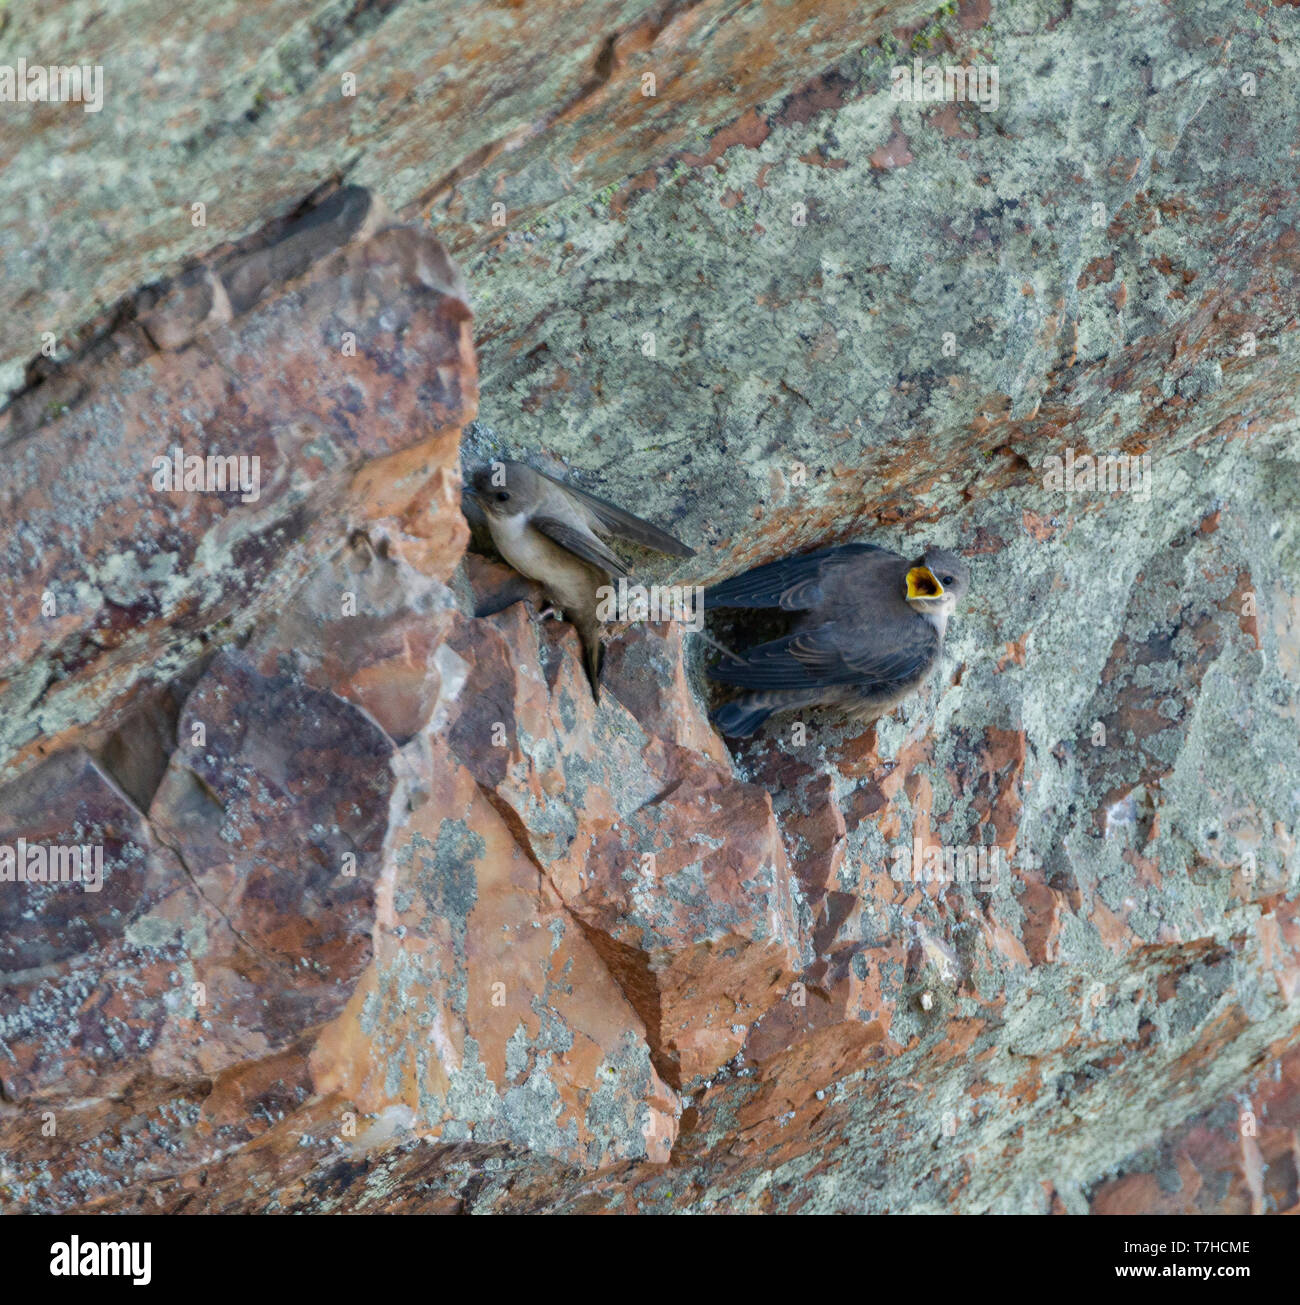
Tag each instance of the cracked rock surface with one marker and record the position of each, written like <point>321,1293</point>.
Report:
<point>393,917</point>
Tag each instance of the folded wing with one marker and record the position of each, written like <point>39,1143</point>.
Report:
<point>794,583</point>
<point>833,654</point>
<point>623,524</point>
<point>581,544</point>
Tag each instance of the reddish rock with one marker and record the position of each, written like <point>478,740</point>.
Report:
<point>590,958</point>
<point>486,1015</point>
<point>675,870</point>
<point>362,352</point>
<point>276,802</point>
<point>1239,1157</point>
<point>92,977</point>
<point>694,916</point>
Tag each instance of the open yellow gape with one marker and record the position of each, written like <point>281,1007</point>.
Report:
<point>922,583</point>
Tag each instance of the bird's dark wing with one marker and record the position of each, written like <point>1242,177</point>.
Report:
<point>793,583</point>
<point>833,654</point>
<point>625,525</point>
<point>580,544</point>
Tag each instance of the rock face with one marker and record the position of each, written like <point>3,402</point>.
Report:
<point>392,916</point>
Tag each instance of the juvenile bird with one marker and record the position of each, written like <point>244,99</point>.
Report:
<point>551,532</point>
<point>872,630</point>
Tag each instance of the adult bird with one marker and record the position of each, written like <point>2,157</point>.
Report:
<point>555,533</point>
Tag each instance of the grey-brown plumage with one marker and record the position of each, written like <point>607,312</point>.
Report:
<point>552,533</point>
<point>871,630</point>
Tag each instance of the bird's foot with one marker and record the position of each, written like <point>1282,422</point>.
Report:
<point>550,612</point>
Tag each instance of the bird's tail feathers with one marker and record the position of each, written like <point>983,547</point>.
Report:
<point>742,716</point>
<point>593,653</point>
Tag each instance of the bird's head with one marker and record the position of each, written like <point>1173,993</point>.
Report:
<point>505,489</point>
<point>936,582</point>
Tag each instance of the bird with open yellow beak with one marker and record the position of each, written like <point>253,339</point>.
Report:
<point>871,630</point>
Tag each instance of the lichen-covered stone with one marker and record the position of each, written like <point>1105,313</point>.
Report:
<point>769,307</point>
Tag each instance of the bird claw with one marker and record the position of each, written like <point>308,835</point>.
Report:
<point>551,612</point>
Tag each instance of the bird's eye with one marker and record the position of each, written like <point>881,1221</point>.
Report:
<point>945,580</point>
<point>503,496</point>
